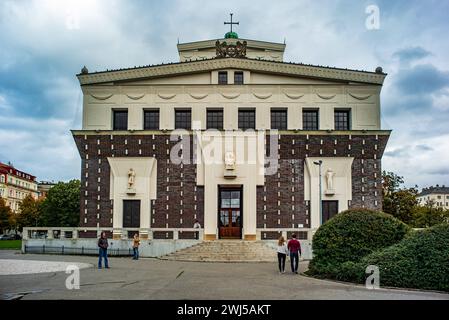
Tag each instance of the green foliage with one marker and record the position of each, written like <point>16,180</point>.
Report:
<point>428,216</point>
<point>420,260</point>
<point>61,208</point>
<point>397,201</point>
<point>5,216</point>
<point>10,244</point>
<point>30,212</point>
<point>351,235</point>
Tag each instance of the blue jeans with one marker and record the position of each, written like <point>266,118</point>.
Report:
<point>294,257</point>
<point>103,253</point>
<point>136,253</point>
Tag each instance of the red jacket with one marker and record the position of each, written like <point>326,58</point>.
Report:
<point>294,246</point>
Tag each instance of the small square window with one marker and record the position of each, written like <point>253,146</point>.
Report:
<point>151,120</point>
<point>120,120</point>
<point>342,120</point>
<point>279,119</point>
<point>310,119</point>
<point>215,119</point>
<point>247,119</point>
<point>223,77</point>
<point>238,77</point>
<point>183,119</point>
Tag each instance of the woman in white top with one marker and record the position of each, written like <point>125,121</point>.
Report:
<point>282,254</point>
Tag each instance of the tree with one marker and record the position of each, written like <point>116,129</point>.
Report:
<point>5,216</point>
<point>30,213</point>
<point>397,201</point>
<point>61,208</point>
<point>428,215</point>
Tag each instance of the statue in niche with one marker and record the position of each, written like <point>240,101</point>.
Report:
<point>131,178</point>
<point>229,160</point>
<point>330,179</point>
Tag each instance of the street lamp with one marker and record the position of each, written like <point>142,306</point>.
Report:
<point>319,163</point>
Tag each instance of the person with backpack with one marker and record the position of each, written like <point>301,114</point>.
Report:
<point>103,250</point>
<point>295,252</point>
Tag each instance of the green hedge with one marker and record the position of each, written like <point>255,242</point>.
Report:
<point>420,261</point>
<point>350,236</point>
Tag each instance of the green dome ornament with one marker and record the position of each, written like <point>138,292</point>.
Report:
<point>231,35</point>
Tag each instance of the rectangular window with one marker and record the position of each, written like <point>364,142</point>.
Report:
<point>120,120</point>
<point>310,119</point>
<point>183,119</point>
<point>279,119</point>
<point>223,77</point>
<point>215,119</point>
<point>238,77</point>
<point>247,119</point>
<point>342,119</point>
<point>151,120</point>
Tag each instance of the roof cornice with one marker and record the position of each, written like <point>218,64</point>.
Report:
<point>289,69</point>
<point>207,44</point>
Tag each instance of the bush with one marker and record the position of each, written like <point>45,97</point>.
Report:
<point>350,236</point>
<point>420,261</point>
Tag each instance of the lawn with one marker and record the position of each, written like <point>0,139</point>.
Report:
<point>10,244</point>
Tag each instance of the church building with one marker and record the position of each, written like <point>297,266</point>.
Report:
<point>232,136</point>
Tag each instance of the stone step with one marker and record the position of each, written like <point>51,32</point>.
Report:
<point>225,251</point>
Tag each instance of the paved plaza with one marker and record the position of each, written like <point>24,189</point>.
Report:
<point>159,279</point>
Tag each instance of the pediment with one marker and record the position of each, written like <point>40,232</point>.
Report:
<point>199,71</point>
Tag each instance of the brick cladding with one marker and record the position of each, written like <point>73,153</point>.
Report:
<point>280,203</point>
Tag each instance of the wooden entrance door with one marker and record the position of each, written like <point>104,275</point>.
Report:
<point>230,213</point>
<point>330,209</point>
<point>131,213</point>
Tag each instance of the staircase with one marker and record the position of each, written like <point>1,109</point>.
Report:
<point>225,251</point>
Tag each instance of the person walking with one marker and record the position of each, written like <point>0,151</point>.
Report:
<point>136,243</point>
<point>103,250</point>
<point>197,225</point>
<point>294,248</point>
<point>282,254</point>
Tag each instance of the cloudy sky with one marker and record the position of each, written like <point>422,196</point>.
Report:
<point>43,44</point>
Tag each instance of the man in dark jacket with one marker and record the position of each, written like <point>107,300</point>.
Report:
<point>103,250</point>
<point>294,247</point>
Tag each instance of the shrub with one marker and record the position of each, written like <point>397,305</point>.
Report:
<point>420,261</point>
<point>350,236</point>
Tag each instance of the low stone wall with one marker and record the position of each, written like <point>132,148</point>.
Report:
<point>147,248</point>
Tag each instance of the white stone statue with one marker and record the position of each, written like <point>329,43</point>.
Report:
<point>131,178</point>
<point>330,179</point>
<point>229,160</point>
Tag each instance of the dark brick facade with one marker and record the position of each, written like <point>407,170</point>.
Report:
<point>280,203</point>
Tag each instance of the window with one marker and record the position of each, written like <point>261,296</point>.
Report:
<point>2,179</point>
<point>247,119</point>
<point>183,119</point>
<point>279,119</point>
<point>238,77</point>
<point>215,119</point>
<point>342,119</point>
<point>151,119</point>
<point>223,77</point>
<point>310,119</point>
<point>120,120</point>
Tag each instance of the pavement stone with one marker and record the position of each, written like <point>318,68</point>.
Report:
<point>156,279</point>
